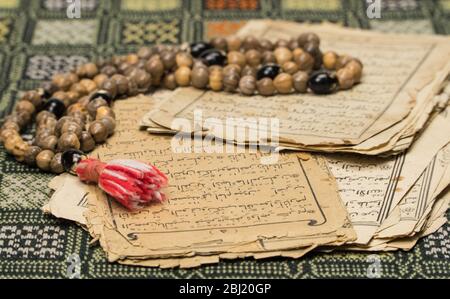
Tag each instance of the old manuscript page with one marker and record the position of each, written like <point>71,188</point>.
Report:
<point>396,69</point>
<point>220,202</point>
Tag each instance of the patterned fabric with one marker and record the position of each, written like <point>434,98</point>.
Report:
<point>43,41</point>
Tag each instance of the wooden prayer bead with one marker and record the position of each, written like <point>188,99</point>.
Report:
<point>11,142</point>
<point>121,83</point>
<point>68,141</point>
<point>94,105</point>
<point>200,77</point>
<point>56,164</point>
<point>247,85</point>
<point>110,124</point>
<point>20,149</point>
<point>48,142</point>
<point>283,83</point>
<point>89,85</point>
<point>100,79</point>
<point>308,37</point>
<point>216,80</point>
<point>145,52</point>
<point>25,106</point>
<point>233,43</point>
<point>253,57</point>
<point>87,143</point>
<point>61,81</point>
<point>34,97</point>
<point>282,43</point>
<point>235,57</point>
<point>184,59</point>
<point>6,133</point>
<point>290,67</point>
<point>345,78</point>
<point>170,82</point>
<point>249,43</point>
<point>268,57</point>
<point>30,155</point>
<point>304,61</point>
<point>44,158</point>
<point>132,59</point>
<point>71,127</point>
<point>109,70</point>
<point>356,68</point>
<point>104,111</point>
<point>79,88</point>
<point>98,131</point>
<point>342,61</point>
<point>110,87</point>
<point>265,87</point>
<point>282,55</point>
<point>329,60</point>
<point>231,68</point>
<point>266,45</point>
<point>300,81</point>
<point>231,82</point>
<point>249,71</point>
<point>219,43</point>
<point>168,59</point>
<point>183,76</point>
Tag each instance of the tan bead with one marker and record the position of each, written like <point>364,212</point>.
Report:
<point>56,165</point>
<point>61,122</point>
<point>249,71</point>
<point>283,83</point>
<point>233,43</point>
<point>61,81</point>
<point>90,70</point>
<point>109,70</point>
<point>30,155</point>
<point>73,78</point>
<point>300,81</point>
<point>132,59</point>
<point>183,76</point>
<point>345,78</point>
<point>20,150</point>
<point>25,106</point>
<point>356,68</point>
<point>219,43</point>
<point>329,60</point>
<point>77,107</point>
<point>253,57</point>
<point>79,88</point>
<point>61,95</point>
<point>87,142</point>
<point>71,127</point>
<point>184,59</point>
<point>68,141</point>
<point>155,67</point>
<point>100,79</point>
<point>268,57</point>
<point>109,123</point>
<point>89,85</point>
<point>290,67</point>
<point>342,61</point>
<point>170,82</point>
<point>265,87</point>
<point>44,158</point>
<point>6,133</point>
<point>200,77</point>
<point>11,142</point>
<point>308,37</point>
<point>48,142</point>
<point>121,83</point>
<point>10,125</point>
<point>43,115</point>
<point>231,82</point>
<point>282,43</point>
<point>304,61</point>
<point>104,111</point>
<point>231,69</point>
<point>34,97</point>
<point>72,97</point>
<point>168,59</point>
<point>98,131</point>
<point>282,55</point>
<point>235,57</point>
<point>145,52</point>
<point>110,86</point>
<point>216,80</point>
<point>250,42</point>
<point>266,45</point>
<point>94,105</point>
<point>247,85</point>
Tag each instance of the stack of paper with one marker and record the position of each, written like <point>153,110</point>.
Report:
<point>379,116</point>
<point>232,205</point>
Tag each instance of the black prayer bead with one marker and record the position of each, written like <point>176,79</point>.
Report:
<point>56,107</point>
<point>213,57</point>
<point>268,71</point>
<point>198,48</point>
<point>71,157</point>
<point>322,83</point>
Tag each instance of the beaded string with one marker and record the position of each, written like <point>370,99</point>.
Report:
<point>73,111</point>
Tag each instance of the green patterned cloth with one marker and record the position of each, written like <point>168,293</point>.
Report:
<point>37,40</point>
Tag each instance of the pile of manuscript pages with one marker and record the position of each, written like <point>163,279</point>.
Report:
<point>262,204</point>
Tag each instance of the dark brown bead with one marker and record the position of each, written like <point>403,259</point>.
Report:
<point>30,155</point>
<point>265,87</point>
<point>121,83</point>
<point>266,44</point>
<point>145,52</point>
<point>247,85</point>
<point>56,164</point>
<point>44,158</point>
<point>300,81</point>
<point>109,123</point>
<point>142,79</point>
<point>200,77</point>
<point>170,82</point>
<point>110,87</point>
<point>68,141</point>
<point>71,127</point>
<point>249,71</point>
<point>308,37</point>
<point>94,105</point>
<point>282,43</point>
<point>219,43</point>
<point>250,42</point>
<point>48,142</point>
<point>304,61</point>
<point>231,82</point>
<point>253,57</point>
<point>155,67</point>
<point>87,142</point>
<point>168,59</point>
<point>109,70</point>
<point>268,57</point>
<point>233,43</point>
<point>98,131</point>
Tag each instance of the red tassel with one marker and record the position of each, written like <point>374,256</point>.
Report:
<point>134,184</point>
